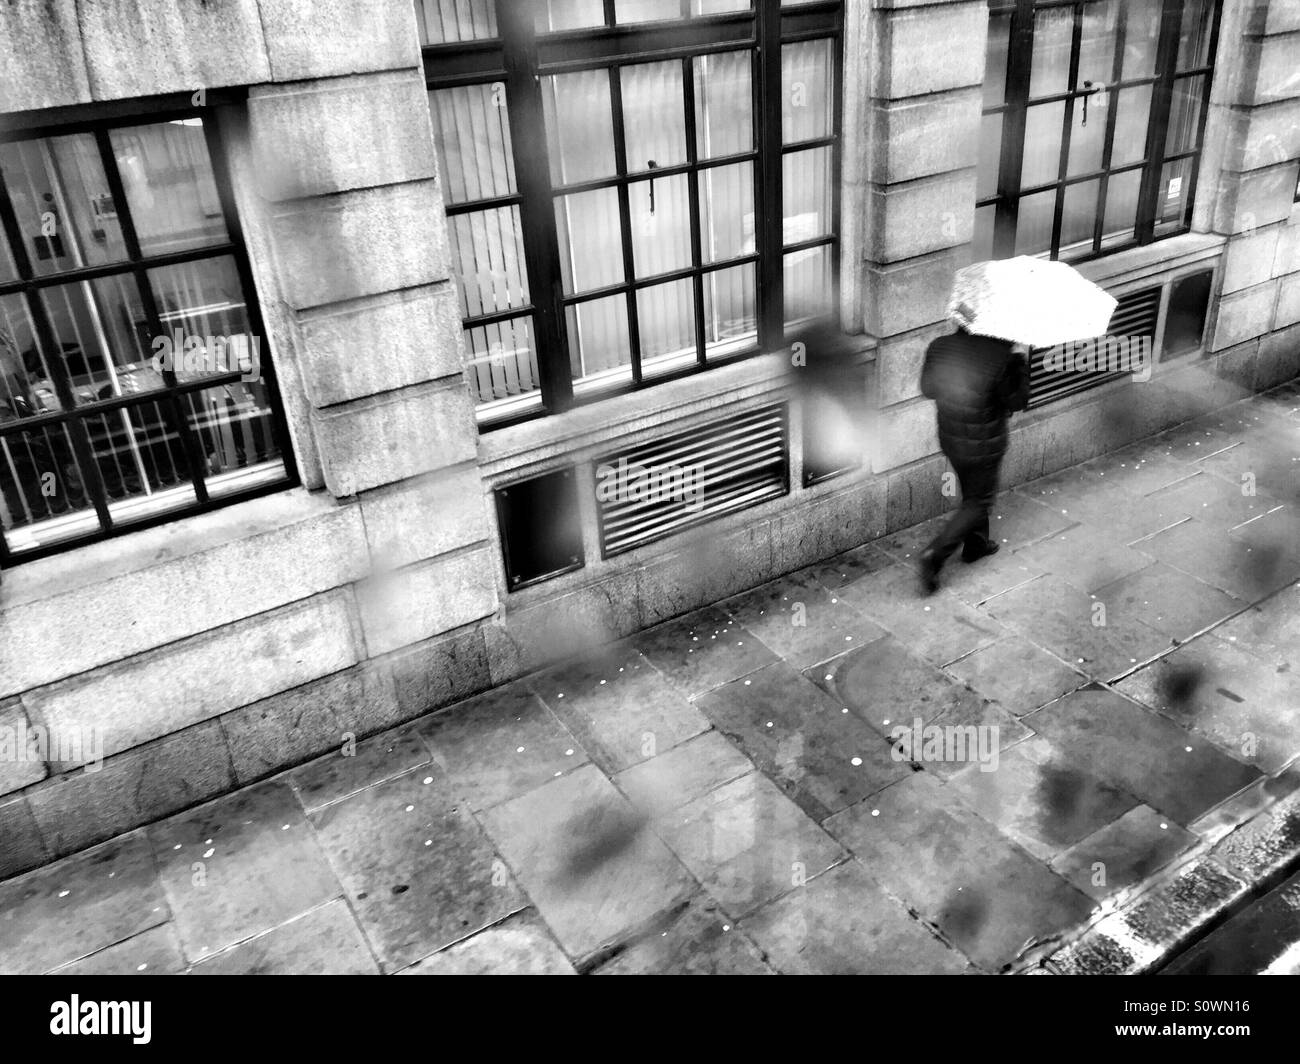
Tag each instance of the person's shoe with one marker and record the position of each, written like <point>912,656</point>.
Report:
<point>931,563</point>
<point>969,554</point>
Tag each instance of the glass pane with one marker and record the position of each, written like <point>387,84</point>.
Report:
<point>502,360</point>
<point>1130,143</point>
<point>236,434</point>
<point>724,121</point>
<point>204,320</point>
<point>986,183</point>
<point>1121,207</point>
<point>446,21</point>
<point>727,212</point>
<point>138,453</point>
<point>646,10</point>
<point>1078,218</point>
<point>26,383</point>
<point>579,126</point>
<point>654,118</point>
<point>103,337</point>
<point>1097,41</point>
<point>1034,223</point>
<point>1194,35</point>
<point>1042,159</point>
<point>1185,115</point>
<point>599,349</point>
<point>808,284</point>
<point>553,15</point>
<point>1141,34</point>
<point>1175,187</point>
<point>1088,139</point>
<point>169,185</point>
<point>475,155</point>
<point>806,86</point>
<point>995,60</point>
<point>982,242</point>
<point>1050,64</point>
<point>806,191</point>
<point>730,311</point>
<point>487,250</point>
<point>591,240</point>
<point>661,225</point>
<point>8,270</point>
<point>43,498</point>
<point>666,319</point>
<point>718,7</point>
<point>205,323</point>
<point>64,210</point>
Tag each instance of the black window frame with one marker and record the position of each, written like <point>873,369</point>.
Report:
<point>519,57</point>
<point>1014,108</point>
<point>75,414</point>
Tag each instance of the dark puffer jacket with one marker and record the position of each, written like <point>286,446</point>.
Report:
<point>976,381</point>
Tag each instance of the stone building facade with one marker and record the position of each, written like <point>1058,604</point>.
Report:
<point>222,646</point>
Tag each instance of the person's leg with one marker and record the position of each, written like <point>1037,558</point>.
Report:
<point>980,486</point>
<point>966,521</point>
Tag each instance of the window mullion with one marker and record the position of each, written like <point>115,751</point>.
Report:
<point>693,193</point>
<point>1020,50</point>
<point>625,219</point>
<point>767,87</point>
<point>1067,130</point>
<point>171,403</point>
<point>1112,115</point>
<point>1157,127</point>
<point>536,207</point>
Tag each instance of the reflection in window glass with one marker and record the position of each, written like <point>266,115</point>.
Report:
<point>447,21</point>
<point>1141,34</point>
<point>579,126</point>
<point>43,494</point>
<point>808,284</point>
<point>591,242</point>
<point>1185,115</point>
<point>555,15</point>
<point>730,311</point>
<point>727,212</point>
<point>1098,37</point>
<point>599,349</point>
<point>26,381</point>
<point>723,105</point>
<point>1130,145</point>
<point>475,154</point>
<point>1195,33</point>
<point>807,194</point>
<point>169,186</point>
<point>666,316</point>
<point>202,303</point>
<point>102,337</point>
<point>62,203</point>
<point>1050,64</point>
<point>501,360</point>
<point>654,118</point>
<point>233,423</point>
<point>806,90</point>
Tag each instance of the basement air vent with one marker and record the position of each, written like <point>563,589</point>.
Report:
<point>658,489</point>
<point>1135,317</point>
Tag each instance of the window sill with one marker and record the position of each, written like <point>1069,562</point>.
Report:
<point>1158,258</point>
<point>635,415</point>
<point>186,536</point>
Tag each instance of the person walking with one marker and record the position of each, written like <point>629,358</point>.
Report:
<point>976,382</point>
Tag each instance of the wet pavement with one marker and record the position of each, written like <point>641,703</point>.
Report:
<point>829,773</point>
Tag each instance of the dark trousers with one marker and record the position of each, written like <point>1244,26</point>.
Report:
<point>969,525</point>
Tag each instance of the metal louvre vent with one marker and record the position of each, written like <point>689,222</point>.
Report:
<point>1135,315</point>
<point>658,489</point>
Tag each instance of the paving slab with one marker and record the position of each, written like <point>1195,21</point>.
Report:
<point>843,923</point>
<point>325,941</point>
<point>240,866</point>
<point>589,862</point>
<point>501,744</point>
<point>417,869</point>
<point>1019,676</point>
<point>79,906</point>
<point>986,895</point>
<point>1171,602</point>
<point>356,766</point>
<point>1167,767</point>
<point>821,756</point>
<point>618,706</point>
<point>702,650</point>
<point>684,773</point>
<point>519,945</point>
<point>698,939</point>
<point>156,951</point>
<point>1124,852</point>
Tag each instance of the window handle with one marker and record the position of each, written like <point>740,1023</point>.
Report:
<point>652,165</point>
<point>1089,88</point>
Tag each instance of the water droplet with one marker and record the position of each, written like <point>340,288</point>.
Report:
<point>428,780</point>
<point>855,761</point>
<point>875,812</point>
<point>64,893</point>
<point>208,853</point>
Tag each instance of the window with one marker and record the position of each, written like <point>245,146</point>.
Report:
<point>133,386</point>
<point>635,189</point>
<point>1094,113</point>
